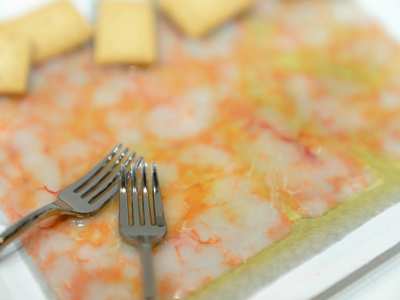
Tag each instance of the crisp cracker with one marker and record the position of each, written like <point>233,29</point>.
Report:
<point>196,17</point>
<point>52,30</point>
<point>14,63</point>
<point>125,33</point>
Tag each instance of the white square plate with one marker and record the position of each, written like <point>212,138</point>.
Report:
<point>309,279</point>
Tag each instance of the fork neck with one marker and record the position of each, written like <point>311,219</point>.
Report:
<point>150,290</point>
<point>27,222</point>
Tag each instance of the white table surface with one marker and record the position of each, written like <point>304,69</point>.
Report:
<point>304,282</point>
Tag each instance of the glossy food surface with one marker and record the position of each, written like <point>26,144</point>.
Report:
<point>252,128</point>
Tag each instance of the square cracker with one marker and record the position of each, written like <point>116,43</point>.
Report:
<point>125,33</point>
<point>51,30</point>
<point>196,17</point>
<point>14,63</point>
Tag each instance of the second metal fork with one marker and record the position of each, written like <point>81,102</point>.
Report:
<point>141,218</point>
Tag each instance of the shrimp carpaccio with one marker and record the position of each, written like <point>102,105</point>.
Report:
<point>252,128</point>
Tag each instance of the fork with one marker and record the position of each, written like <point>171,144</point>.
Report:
<point>83,198</point>
<point>145,225</point>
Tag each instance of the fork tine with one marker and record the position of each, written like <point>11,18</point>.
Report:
<point>135,193</point>
<point>130,158</point>
<point>93,172</point>
<point>93,197</point>
<point>123,199</point>
<point>145,195</point>
<point>139,162</point>
<point>105,185</point>
<point>86,190</point>
<point>159,212</point>
<point>106,197</point>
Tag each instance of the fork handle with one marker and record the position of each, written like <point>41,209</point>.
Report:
<point>150,292</point>
<point>25,223</point>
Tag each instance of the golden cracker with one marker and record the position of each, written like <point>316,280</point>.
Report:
<point>52,30</point>
<point>14,63</point>
<point>125,33</point>
<point>197,17</point>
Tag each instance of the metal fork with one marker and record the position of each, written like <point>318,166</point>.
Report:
<point>83,198</point>
<point>145,225</point>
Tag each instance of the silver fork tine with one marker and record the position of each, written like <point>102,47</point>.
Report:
<point>139,162</point>
<point>92,184</point>
<point>130,158</point>
<point>108,183</point>
<point>93,172</point>
<point>123,198</point>
<point>145,196</point>
<point>105,197</point>
<point>135,192</point>
<point>159,212</point>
